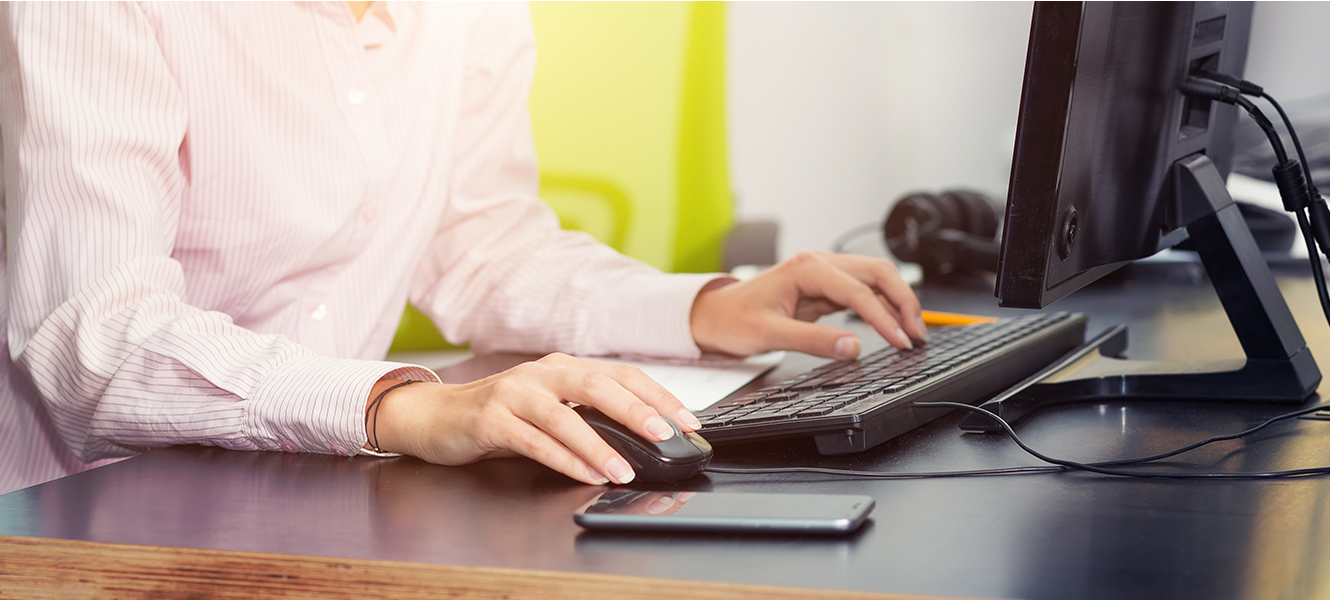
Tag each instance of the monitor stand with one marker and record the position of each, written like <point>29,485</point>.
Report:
<point>1278,366</point>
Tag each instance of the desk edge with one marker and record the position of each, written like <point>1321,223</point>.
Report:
<point>57,568</point>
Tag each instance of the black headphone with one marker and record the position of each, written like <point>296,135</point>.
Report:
<point>955,231</point>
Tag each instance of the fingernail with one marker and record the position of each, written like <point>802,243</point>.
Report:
<point>596,476</point>
<point>847,347</point>
<point>661,505</point>
<point>904,338</point>
<point>619,470</point>
<point>923,329</point>
<point>688,418</point>
<point>659,428</point>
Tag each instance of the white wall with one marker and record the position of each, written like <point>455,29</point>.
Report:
<point>1289,53</point>
<point>836,109</point>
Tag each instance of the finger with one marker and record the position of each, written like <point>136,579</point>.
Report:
<point>661,505</point>
<point>881,274</point>
<point>599,390</point>
<point>570,430</point>
<point>812,309</point>
<point>890,309</point>
<point>642,392</point>
<point>812,338</point>
<point>527,440</point>
<point>820,278</point>
<point>653,394</point>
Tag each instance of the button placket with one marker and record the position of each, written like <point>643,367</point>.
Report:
<point>351,72</point>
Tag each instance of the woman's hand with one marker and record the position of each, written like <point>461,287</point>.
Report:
<point>775,310</point>
<point>524,411</point>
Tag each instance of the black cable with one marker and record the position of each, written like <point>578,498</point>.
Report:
<point>1315,260</point>
<point>1094,468</point>
<point>1314,196</point>
<point>1218,438</point>
<point>1293,135</point>
<point>883,474</point>
<point>1060,465</point>
<point>1281,154</point>
<point>1315,233</point>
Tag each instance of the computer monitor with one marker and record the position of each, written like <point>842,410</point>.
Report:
<point>1101,124</point>
<point>1113,163</point>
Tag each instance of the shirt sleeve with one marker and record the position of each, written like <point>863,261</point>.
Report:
<point>501,274</point>
<point>94,127</point>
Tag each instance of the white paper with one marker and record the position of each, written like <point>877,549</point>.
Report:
<point>701,383</point>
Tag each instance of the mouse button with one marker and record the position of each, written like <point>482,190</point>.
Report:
<point>607,427</point>
<point>620,437</point>
<point>678,449</point>
<point>699,441</point>
<point>703,447</point>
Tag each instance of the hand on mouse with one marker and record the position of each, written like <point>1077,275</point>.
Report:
<point>775,310</point>
<point>522,411</point>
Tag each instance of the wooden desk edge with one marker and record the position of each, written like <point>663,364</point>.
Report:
<point>56,568</point>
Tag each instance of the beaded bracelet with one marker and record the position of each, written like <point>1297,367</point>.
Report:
<point>374,406</point>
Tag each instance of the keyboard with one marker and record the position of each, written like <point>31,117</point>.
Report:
<point>851,406</point>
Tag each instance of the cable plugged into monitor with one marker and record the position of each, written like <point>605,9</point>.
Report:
<point>1296,190</point>
<point>1292,180</point>
<point>1242,85</point>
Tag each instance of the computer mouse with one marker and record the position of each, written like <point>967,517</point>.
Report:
<point>680,457</point>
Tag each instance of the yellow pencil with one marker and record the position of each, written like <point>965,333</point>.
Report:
<point>934,318</point>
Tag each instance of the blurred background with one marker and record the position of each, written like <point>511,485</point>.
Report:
<point>837,109</point>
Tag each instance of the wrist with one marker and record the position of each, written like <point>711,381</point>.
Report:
<point>382,420</point>
<point>702,318</point>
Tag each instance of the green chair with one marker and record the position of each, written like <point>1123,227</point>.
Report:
<point>628,112</point>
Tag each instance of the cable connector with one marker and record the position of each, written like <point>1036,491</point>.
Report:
<point>1292,185</point>
<point>1204,88</point>
<point>1242,85</point>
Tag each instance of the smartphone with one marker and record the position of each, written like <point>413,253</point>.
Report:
<point>721,511</point>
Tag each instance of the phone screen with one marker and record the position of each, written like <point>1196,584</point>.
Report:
<point>721,511</point>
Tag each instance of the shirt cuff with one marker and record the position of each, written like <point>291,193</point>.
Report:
<point>649,316</point>
<point>317,404</point>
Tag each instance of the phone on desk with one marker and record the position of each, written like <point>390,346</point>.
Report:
<point>729,512</point>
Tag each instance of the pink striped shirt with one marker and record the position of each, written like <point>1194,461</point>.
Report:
<point>214,214</point>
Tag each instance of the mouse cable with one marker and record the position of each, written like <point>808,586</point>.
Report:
<point>1060,466</point>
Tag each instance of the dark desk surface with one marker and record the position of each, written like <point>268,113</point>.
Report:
<point>1068,535</point>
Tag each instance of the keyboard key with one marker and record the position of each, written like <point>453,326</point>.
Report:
<point>816,411</point>
<point>758,417</point>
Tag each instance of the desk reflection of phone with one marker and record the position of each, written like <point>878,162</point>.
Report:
<point>720,511</point>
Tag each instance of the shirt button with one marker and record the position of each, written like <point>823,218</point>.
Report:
<point>289,446</point>
<point>356,96</point>
<point>338,450</point>
<point>319,312</point>
<point>369,213</point>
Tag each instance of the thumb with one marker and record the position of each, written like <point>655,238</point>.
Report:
<point>813,338</point>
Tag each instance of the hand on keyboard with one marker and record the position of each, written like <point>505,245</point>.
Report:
<point>776,309</point>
